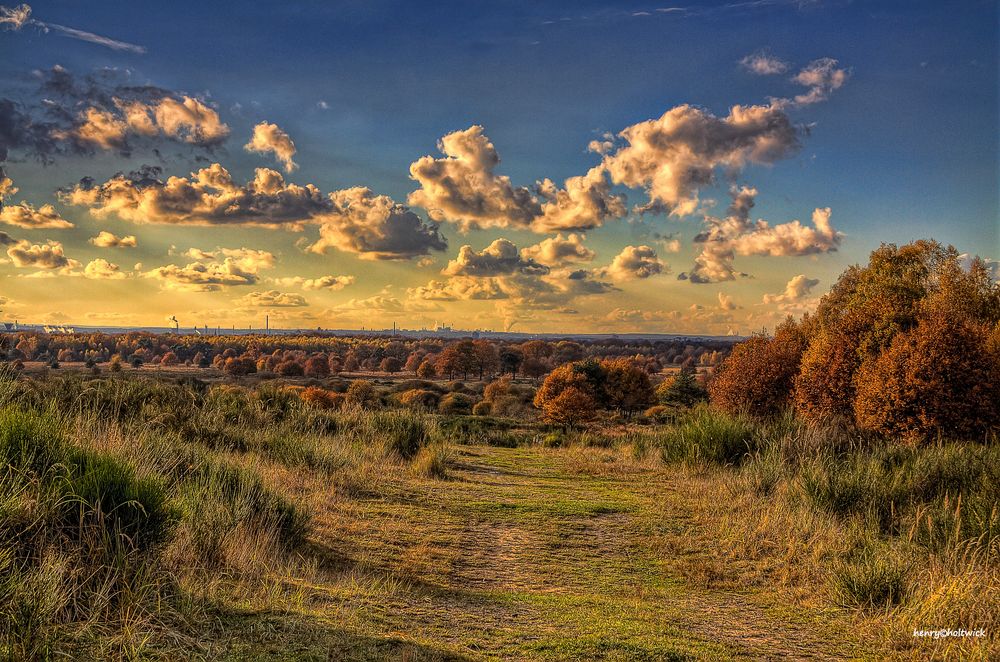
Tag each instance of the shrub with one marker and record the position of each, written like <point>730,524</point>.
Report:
<point>875,579</point>
<point>103,490</point>
<point>362,393</point>
<point>482,408</point>
<point>432,461</point>
<point>290,369</point>
<point>456,403</point>
<point>217,498</point>
<point>401,433</point>
<point>498,388</point>
<point>321,398</point>
<point>419,399</point>
<point>658,413</point>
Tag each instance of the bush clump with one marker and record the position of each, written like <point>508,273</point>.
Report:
<point>710,436</point>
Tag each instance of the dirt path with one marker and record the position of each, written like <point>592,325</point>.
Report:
<point>517,557</point>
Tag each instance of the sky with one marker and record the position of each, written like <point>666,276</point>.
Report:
<point>529,166</point>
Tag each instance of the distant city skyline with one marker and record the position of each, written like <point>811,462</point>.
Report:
<point>578,167</point>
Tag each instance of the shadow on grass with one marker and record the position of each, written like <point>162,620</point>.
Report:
<point>278,636</point>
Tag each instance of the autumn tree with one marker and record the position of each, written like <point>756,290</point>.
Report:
<point>758,376</point>
<point>626,386</point>
<point>566,397</point>
<point>426,370</point>
<point>390,364</point>
<point>317,366</point>
<point>413,361</point>
<point>243,365</point>
<point>486,358</point>
<point>510,360</point>
<point>937,378</point>
<point>824,387</point>
<point>864,361</point>
<point>533,368</point>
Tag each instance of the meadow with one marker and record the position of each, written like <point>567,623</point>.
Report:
<point>146,518</point>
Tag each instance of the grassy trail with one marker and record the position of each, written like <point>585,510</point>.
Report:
<point>528,554</point>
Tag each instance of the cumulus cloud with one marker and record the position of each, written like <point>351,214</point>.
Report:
<point>559,250</point>
<point>502,273</point>
<point>48,256</point>
<point>464,188</point>
<point>462,288</point>
<point>634,262</point>
<point>764,64</point>
<point>106,110</point>
<point>7,187</point>
<point>381,303</point>
<point>101,269</point>
<point>214,270</point>
<point>250,260</point>
<point>500,258</point>
<point>320,283</point>
<point>375,227</point>
<point>726,302</point>
<point>186,119</point>
<point>271,138</point>
<point>105,239</point>
<point>585,202</point>
<point>797,289</point>
<point>724,238</point>
<point>791,238</point>
<point>354,220</point>
<point>202,277</point>
<point>208,197</point>
<point>6,239</point>
<point>273,299</point>
<point>675,155</point>
<point>27,216</point>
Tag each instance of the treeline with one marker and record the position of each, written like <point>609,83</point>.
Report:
<point>319,357</point>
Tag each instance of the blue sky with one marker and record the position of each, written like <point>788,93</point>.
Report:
<point>906,148</point>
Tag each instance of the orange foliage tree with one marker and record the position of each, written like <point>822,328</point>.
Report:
<point>566,397</point>
<point>902,345</point>
<point>757,377</point>
<point>939,378</point>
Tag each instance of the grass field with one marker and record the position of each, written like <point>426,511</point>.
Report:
<point>279,531</point>
<point>538,553</point>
